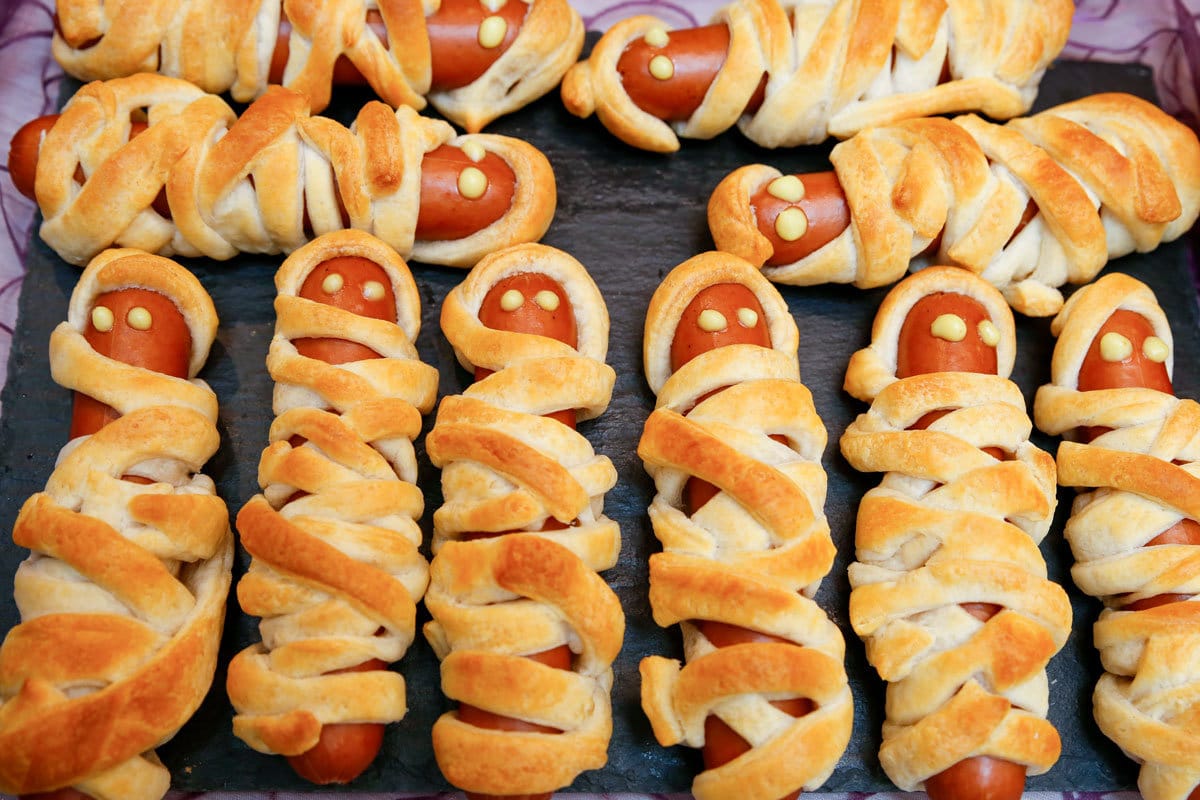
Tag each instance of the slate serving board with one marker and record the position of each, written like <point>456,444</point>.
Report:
<point>629,217</point>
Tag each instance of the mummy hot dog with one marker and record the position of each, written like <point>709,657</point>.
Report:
<point>123,599</point>
<point>1029,206</point>
<point>475,60</point>
<point>336,571</point>
<point>526,629</point>
<point>949,590</point>
<point>198,182</point>
<point>1135,453</point>
<point>791,72</point>
<point>734,447</point>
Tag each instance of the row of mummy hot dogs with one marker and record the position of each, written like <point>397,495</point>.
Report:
<point>122,598</point>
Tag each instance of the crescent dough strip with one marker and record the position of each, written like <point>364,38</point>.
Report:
<point>227,45</point>
<point>950,524</point>
<point>507,468</point>
<point>1108,175</point>
<point>836,67</point>
<point>335,574</point>
<point>122,600</point>
<point>1137,480</point>
<point>753,556</point>
<point>250,185</point>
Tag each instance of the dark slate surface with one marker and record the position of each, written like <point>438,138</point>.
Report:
<point>629,217</point>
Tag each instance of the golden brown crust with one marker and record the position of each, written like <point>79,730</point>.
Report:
<point>226,45</point>
<point>123,599</point>
<point>335,574</point>
<point>951,524</point>
<point>1109,174</point>
<point>752,557</point>
<point>1136,480</point>
<point>838,68</point>
<point>506,468</point>
<point>250,185</point>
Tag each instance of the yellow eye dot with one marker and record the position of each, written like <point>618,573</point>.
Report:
<point>511,300</point>
<point>1114,347</point>
<point>1155,349</point>
<point>747,317</point>
<point>546,300</point>
<point>989,334</point>
<point>333,283</point>
<point>474,151</point>
<point>139,319</point>
<point>789,188</point>
<point>662,68</point>
<point>372,290</point>
<point>492,32</point>
<point>472,183</point>
<point>711,321</point>
<point>949,327</point>
<point>493,5</point>
<point>657,37</point>
<point>791,224</point>
<point>102,319</point>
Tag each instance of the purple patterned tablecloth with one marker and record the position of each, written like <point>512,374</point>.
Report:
<point>1162,33</point>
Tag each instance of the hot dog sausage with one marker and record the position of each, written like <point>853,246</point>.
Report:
<point>1126,353</point>
<point>721,315</point>
<point>463,190</point>
<point>948,332</point>
<point>361,286</point>
<point>823,214</point>
<point>526,303</point>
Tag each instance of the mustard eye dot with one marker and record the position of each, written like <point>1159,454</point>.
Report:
<point>788,188</point>
<point>372,290</point>
<point>989,334</point>
<point>1114,347</point>
<point>747,317</point>
<point>1155,349</point>
<point>492,32</point>
<point>493,5</point>
<point>791,224</point>
<point>511,300</point>
<point>949,327</point>
<point>546,300</point>
<point>474,151</point>
<point>657,37</point>
<point>662,68</point>
<point>102,319</point>
<point>711,321</point>
<point>472,183</point>
<point>139,318</point>
<point>333,283</point>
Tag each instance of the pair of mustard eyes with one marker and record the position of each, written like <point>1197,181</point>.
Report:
<point>138,318</point>
<point>1115,348</point>
<point>713,321</point>
<point>513,299</point>
<point>953,328</point>
<point>333,283</point>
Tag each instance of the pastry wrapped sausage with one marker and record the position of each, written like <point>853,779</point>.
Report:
<point>336,571</point>
<point>1030,205</point>
<point>524,625</point>
<point>734,446</point>
<point>949,590</point>
<point>474,60</point>
<point>122,600</point>
<point>198,182</point>
<point>793,72</point>
<point>1134,453</point>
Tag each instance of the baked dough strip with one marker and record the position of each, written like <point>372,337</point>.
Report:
<point>1108,175</point>
<point>948,525</point>
<point>122,599</point>
<point>753,556</point>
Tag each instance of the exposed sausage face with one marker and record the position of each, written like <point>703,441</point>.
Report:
<point>463,190</point>
<point>531,303</point>
<point>800,214</point>
<point>946,332</point>
<point>1126,352</point>
<point>718,316</point>
<point>467,36</point>
<point>357,285</point>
